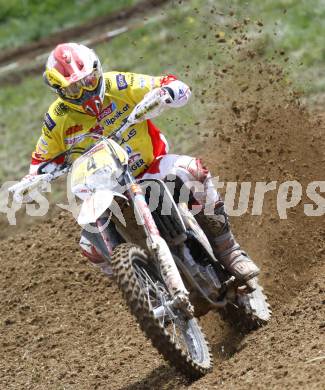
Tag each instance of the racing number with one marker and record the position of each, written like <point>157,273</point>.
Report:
<point>91,163</point>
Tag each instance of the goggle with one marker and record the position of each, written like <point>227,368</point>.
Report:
<point>88,83</point>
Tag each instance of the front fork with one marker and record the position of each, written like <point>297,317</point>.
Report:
<point>159,247</point>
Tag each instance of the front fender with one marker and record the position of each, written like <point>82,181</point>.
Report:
<point>95,205</point>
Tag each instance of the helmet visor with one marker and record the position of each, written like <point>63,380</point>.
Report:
<point>87,83</point>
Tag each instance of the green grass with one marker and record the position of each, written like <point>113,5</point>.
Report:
<point>182,42</point>
<point>297,28</point>
<point>23,21</point>
<point>154,49</point>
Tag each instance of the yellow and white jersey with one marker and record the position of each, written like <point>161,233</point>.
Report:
<point>143,142</point>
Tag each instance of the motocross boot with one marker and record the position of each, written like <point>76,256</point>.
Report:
<point>225,247</point>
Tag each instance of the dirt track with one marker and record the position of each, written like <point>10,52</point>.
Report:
<point>64,326</point>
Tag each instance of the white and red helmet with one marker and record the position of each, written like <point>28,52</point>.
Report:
<point>75,73</point>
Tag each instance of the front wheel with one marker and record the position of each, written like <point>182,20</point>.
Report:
<point>178,339</point>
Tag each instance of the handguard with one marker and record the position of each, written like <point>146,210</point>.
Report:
<point>29,186</point>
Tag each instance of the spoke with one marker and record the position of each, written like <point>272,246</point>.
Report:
<point>175,333</point>
<point>163,320</point>
<point>159,302</point>
<point>148,298</point>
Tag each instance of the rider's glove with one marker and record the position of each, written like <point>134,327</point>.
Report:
<point>175,94</point>
<point>179,93</point>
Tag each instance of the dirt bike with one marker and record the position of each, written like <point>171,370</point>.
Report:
<point>163,261</point>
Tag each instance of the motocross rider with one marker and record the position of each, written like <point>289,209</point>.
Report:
<point>92,101</point>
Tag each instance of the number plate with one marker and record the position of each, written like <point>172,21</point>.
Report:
<point>97,158</point>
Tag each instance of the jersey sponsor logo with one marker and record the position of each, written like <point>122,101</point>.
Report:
<point>74,129</point>
<point>98,129</point>
<point>121,82</point>
<point>118,113</point>
<point>142,82</point>
<point>61,109</point>
<point>73,140</point>
<point>38,156</point>
<point>129,136</point>
<point>49,122</point>
<point>42,140</point>
<point>108,85</point>
<point>41,150</point>
<point>134,157</point>
<point>135,161</point>
<point>107,111</point>
<point>128,149</point>
<point>137,164</point>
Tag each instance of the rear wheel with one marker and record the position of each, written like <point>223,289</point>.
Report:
<point>250,310</point>
<point>179,339</point>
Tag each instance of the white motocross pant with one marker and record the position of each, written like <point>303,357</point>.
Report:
<point>193,176</point>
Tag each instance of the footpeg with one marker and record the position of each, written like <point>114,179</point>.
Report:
<point>228,282</point>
